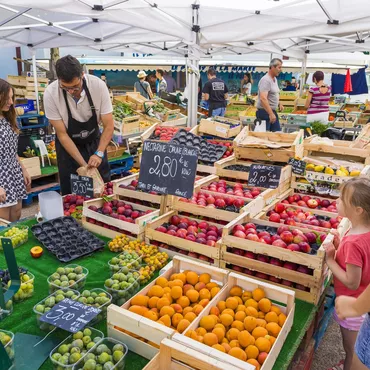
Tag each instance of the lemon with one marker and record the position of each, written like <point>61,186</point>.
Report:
<point>340,173</point>
<point>319,168</point>
<point>310,167</point>
<point>355,173</point>
<point>329,171</point>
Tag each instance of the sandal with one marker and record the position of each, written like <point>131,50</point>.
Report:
<point>338,366</point>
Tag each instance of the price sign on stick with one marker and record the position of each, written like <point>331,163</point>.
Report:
<point>82,185</point>
<point>70,315</point>
<point>168,169</point>
<point>298,167</point>
<point>264,176</point>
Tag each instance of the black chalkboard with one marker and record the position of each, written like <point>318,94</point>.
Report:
<point>48,139</point>
<point>82,185</point>
<point>168,168</point>
<point>264,176</point>
<point>70,315</point>
<point>298,167</point>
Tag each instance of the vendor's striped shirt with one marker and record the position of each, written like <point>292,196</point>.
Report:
<point>319,101</point>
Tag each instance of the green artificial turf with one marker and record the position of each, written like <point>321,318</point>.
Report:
<point>23,318</point>
<point>49,170</point>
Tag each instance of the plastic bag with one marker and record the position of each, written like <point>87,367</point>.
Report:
<point>259,126</point>
<point>97,179</point>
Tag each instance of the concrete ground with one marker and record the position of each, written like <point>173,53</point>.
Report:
<point>330,351</point>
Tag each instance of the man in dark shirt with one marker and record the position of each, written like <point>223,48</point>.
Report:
<point>216,93</point>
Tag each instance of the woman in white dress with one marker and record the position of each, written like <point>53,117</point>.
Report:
<point>246,84</point>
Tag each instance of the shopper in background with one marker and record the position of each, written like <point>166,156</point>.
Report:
<point>246,84</point>
<point>349,258</point>
<point>268,97</point>
<point>14,177</point>
<point>289,86</point>
<point>161,85</point>
<point>171,83</point>
<point>152,80</point>
<point>75,105</point>
<point>142,86</point>
<point>199,90</point>
<point>216,93</point>
<point>317,102</point>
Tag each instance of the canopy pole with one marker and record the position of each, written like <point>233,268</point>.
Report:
<point>303,74</point>
<point>34,68</point>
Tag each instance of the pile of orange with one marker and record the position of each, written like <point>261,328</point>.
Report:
<point>245,326</point>
<point>175,303</point>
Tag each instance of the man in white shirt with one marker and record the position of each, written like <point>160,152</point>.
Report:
<point>75,105</point>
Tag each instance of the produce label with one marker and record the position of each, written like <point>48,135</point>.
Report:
<point>264,176</point>
<point>317,176</point>
<point>70,315</point>
<point>298,167</point>
<point>168,169</point>
<point>82,185</point>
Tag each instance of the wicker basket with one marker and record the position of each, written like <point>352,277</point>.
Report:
<point>114,150</point>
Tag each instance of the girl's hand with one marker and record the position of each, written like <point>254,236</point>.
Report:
<point>336,239</point>
<point>2,195</point>
<point>329,252</point>
<point>345,307</point>
<point>27,178</point>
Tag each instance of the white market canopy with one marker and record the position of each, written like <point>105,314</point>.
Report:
<point>285,27</point>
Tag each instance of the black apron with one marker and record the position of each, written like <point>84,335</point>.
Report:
<point>86,136</point>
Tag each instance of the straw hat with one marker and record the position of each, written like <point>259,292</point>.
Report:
<point>141,74</point>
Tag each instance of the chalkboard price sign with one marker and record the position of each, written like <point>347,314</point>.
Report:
<point>82,185</point>
<point>264,176</point>
<point>70,315</point>
<point>298,167</point>
<point>168,169</point>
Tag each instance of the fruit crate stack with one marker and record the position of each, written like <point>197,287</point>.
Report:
<point>248,116</point>
<point>137,99</point>
<point>135,325</point>
<point>109,215</point>
<point>268,146</point>
<point>288,98</point>
<point>283,255</point>
<point>25,86</point>
<point>220,127</point>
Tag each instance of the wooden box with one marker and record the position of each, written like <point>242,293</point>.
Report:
<point>283,298</point>
<point>138,100</point>
<point>346,122</point>
<point>32,165</point>
<point>216,127</point>
<point>152,234</point>
<point>136,228</point>
<point>248,116</point>
<point>120,318</point>
<point>363,119</point>
<point>175,356</point>
<point>128,125</point>
<point>177,119</point>
<point>17,80</point>
<point>288,95</point>
<point>295,150</point>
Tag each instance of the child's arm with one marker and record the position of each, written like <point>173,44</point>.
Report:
<point>352,307</point>
<point>350,278</point>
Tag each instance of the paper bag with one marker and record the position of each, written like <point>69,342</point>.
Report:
<point>363,140</point>
<point>97,179</point>
<point>260,126</point>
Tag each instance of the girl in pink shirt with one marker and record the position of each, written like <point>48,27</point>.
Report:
<point>349,259</point>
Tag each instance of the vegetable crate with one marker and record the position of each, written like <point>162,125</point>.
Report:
<point>177,119</point>
<point>127,326</point>
<point>282,154</point>
<point>346,122</point>
<point>176,356</point>
<point>297,118</point>
<point>138,100</point>
<point>248,116</point>
<point>128,125</point>
<point>313,284</point>
<point>288,96</point>
<point>364,118</point>
<point>220,126</point>
<point>152,234</point>
<point>283,298</point>
<point>339,149</point>
<point>136,228</point>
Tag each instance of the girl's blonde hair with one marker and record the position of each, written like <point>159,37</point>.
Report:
<point>356,193</point>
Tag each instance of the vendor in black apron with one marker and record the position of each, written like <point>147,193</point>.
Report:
<point>80,143</point>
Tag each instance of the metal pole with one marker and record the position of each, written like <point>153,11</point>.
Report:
<point>34,68</point>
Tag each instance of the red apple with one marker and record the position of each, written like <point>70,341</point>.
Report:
<point>287,237</point>
<point>294,247</point>
<point>303,270</point>
<point>304,247</point>
<point>261,275</point>
<point>279,243</point>
<point>238,227</point>
<point>325,224</point>
<point>325,203</point>
<point>290,266</point>
<point>279,208</point>
<point>282,229</point>
<point>249,225</point>
<point>220,203</point>
<point>311,237</point>
<point>253,237</point>
<point>191,237</point>
<point>211,243</point>
<point>267,239</point>
<point>250,255</point>
<point>312,203</point>
<point>192,229</point>
<point>274,217</point>
<point>172,232</point>
<point>287,283</point>
<point>175,220</point>
<point>240,234</point>
<point>201,241</point>
<point>275,237</point>
<point>262,234</point>
<point>203,225</point>
<point>161,229</point>
<point>276,262</point>
<point>275,280</point>
<point>251,231</point>
<point>263,258</point>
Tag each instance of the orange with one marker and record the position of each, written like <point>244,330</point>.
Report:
<point>232,303</point>
<point>282,319</point>
<point>190,316</point>
<point>238,353</point>
<point>250,323</point>
<point>205,278</point>
<point>232,334</point>
<point>176,318</point>
<point>276,310</point>
<point>264,305</point>
<point>258,294</point>
<point>255,363</point>
<point>246,295</point>
<point>273,329</point>
<point>221,305</point>
<point>220,334</point>
<point>183,324</point>
<point>240,316</point>
<point>193,295</point>
<point>207,322</point>
<point>152,303</point>
<point>192,278</point>
<point>166,310</point>
<point>226,319</point>
<point>219,347</point>
<point>236,291</point>
<point>183,301</point>
<point>204,294</point>
<point>250,311</point>
<point>244,338</point>
<point>234,343</point>
<point>163,302</point>
<point>259,332</point>
<point>263,344</point>
<point>162,281</point>
<point>262,357</point>
<point>210,339</point>
<point>272,317</point>
<point>176,292</point>
<point>252,352</point>
<point>238,325</point>
<point>251,303</point>
<point>155,291</point>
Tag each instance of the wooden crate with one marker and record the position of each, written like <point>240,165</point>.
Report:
<point>121,317</point>
<point>17,80</point>
<point>152,234</point>
<point>288,96</point>
<point>138,100</point>
<point>128,125</point>
<point>218,128</point>
<point>363,119</point>
<point>136,228</point>
<point>283,298</point>
<point>339,149</point>
<point>180,120</point>
<point>267,154</point>
<point>4,223</point>
<point>32,165</point>
<point>342,122</point>
<point>175,356</point>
